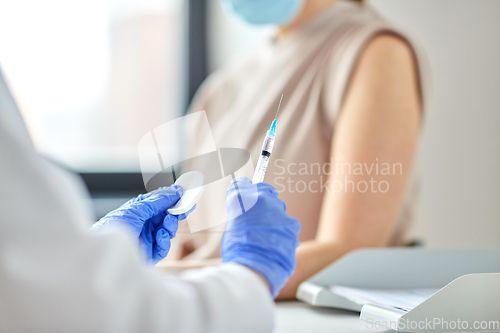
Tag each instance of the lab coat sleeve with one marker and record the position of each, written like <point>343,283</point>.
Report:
<point>57,276</point>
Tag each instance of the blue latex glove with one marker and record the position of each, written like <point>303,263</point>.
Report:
<point>147,219</point>
<point>263,238</point>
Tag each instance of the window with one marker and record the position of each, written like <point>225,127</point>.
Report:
<point>93,76</point>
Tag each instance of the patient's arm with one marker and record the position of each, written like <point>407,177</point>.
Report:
<point>380,118</point>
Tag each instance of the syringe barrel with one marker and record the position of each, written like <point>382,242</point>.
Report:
<point>263,161</point>
<point>260,170</point>
<point>268,143</point>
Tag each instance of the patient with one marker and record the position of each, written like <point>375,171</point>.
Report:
<point>354,88</point>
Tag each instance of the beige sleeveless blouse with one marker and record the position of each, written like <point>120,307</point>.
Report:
<point>311,67</point>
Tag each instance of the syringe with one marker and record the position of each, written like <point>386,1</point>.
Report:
<point>267,149</point>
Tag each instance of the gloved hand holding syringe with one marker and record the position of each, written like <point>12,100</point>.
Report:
<point>267,149</point>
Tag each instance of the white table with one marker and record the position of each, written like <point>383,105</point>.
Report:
<point>298,317</point>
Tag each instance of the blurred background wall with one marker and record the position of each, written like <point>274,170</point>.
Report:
<point>460,151</point>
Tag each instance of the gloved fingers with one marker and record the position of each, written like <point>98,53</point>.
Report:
<point>146,244</point>
<point>157,220</point>
<point>156,204</point>
<point>241,186</point>
<point>165,189</point>
<point>146,235</point>
<point>162,245</point>
<point>140,197</point>
<point>240,181</point>
<point>265,187</point>
<point>184,216</point>
<point>170,224</point>
<point>245,185</point>
<point>283,204</point>
<point>160,190</point>
<point>295,228</point>
<point>248,198</point>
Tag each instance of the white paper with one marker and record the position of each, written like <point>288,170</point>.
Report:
<point>403,300</point>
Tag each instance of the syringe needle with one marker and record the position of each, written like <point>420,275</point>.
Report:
<point>279,107</point>
<point>267,149</point>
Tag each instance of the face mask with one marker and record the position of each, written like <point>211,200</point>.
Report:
<point>276,12</point>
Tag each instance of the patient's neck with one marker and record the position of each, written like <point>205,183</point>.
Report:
<point>310,10</point>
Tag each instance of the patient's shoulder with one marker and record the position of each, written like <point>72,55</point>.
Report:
<point>387,52</point>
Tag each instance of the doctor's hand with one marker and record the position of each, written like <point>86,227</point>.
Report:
<point>264,237</point>
<point>147,219</point>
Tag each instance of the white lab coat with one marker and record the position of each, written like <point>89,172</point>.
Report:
<point>57,276</point>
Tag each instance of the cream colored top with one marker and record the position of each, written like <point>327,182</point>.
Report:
<point>311,67</point>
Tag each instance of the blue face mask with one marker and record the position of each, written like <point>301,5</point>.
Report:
<point>276,12</point>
